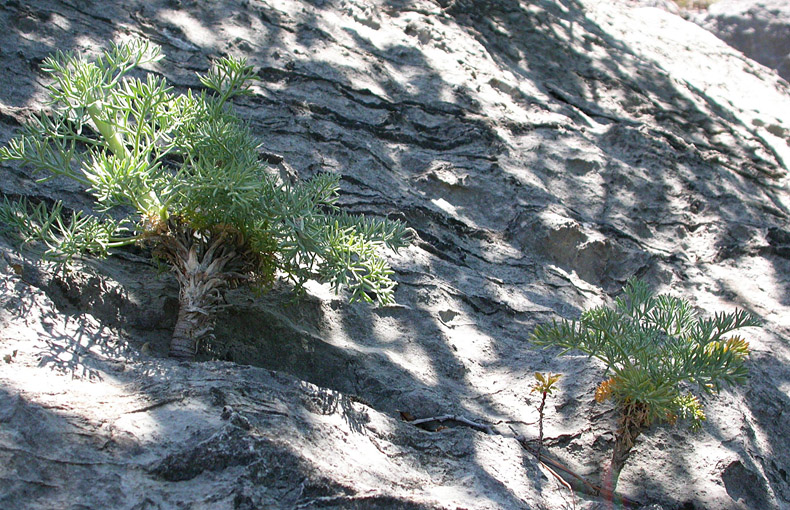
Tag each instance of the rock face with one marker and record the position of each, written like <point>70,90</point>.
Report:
<point>543,152</point>
<point>758,28</point>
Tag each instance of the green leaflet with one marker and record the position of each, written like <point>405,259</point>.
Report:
<point>63,236</point>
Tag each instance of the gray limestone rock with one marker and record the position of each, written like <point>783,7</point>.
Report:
<point>758,28</point>
<point>542,151</point>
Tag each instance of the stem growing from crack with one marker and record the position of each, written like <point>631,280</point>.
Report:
<point>540,423</point>
<point>633,421</point>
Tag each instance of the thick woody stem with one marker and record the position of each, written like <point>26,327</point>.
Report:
<point>205,264</point>
<point>632,422</point>
<point>195,316</point>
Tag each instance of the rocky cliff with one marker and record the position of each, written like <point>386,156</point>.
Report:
<point>542,151</point>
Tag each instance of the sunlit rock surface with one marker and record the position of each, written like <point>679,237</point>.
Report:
<point>542,151</point>
<point>758,28</point>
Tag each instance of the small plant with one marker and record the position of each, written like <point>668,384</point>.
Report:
<point>544,384</point>
<point>695,4</point>
<point>656,350</point>
<point>182,174</point>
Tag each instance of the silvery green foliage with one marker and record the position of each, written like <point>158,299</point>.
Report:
<point>151,157</point>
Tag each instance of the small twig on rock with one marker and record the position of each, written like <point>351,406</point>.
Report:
<point>32,482</point>
<point>61,461</point>
<point>155,405</point>
<point>346,498</point>
<point>511,422</point>
<point>455,417</point>
<point>562,482</point>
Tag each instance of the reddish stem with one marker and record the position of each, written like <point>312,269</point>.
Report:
<point>540,423</point>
